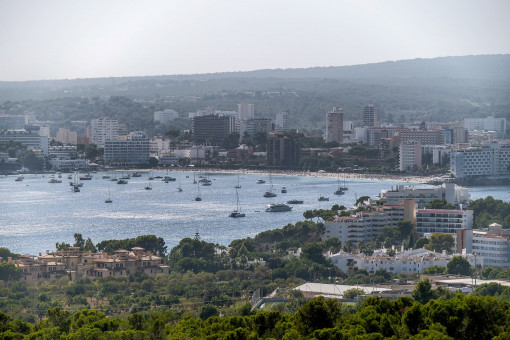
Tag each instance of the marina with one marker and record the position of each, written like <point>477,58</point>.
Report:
<point>35,214</point>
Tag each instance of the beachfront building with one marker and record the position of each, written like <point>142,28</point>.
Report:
<point>334,126</point>
<point>491,159</point>
<point>103,129</point>
<point>489,123</point>
<point>135,149</point>
<point>409,155</point>
<point>27,138</point>
<point>282,150</point>
<point>443,221</point>
<point>251,127</point>
<point>212,129</point>
<point>451,192</point>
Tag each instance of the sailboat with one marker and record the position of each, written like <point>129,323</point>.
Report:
<point>339,190</point>
<point>345,186</point>
<point>179,188</point>
<point>237,212</point>
<point>149,187</point>
<point>194,180</point>
<point>270,193</point>
<point>238,186</point>
<point>198,198</point>
<point>108,200</point>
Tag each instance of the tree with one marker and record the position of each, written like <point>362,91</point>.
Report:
<point>353,293</point>
<point>439,204</point>
<point>208,310</point>
<point>405,229</point>
<point>361,201</point>
<point>313,252</point>
<point>440,242</point>
<point>9,272</point>
<point>423,291</point>
<point>458,265</point>
<point>421,242</point>
<point>231,141</point>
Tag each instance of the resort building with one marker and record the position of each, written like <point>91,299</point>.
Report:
<point>135,149</point>
<point>251,127</point>
<point>491,159</point>
<point>451,192</point>
<point>103,129</point>
<point>27,138</point>
<point>409,155</point>
<point>67,137</point>
<point>282,150</point>
<point>489,123</point>
<point>212,129</point>
<point>166,116</point>
<point>362,227</point>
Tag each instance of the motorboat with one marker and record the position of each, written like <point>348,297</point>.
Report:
<point>269,194</point>
<point>323,198</point>
<point>284,190</point>
<point>19,179</point>
<point>122,181</point>
<point>106,177</point>
<point>294,202</point>
<point>86,177</point>
<point>136,174</point>
<point>260,181</point>
<point>75,189</point>
<point>54,180</point>
<point>339,192</point>
<point>278,207</point>
<point>167,179</point>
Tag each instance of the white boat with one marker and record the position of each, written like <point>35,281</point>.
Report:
<point>237,212</point>
<point>270,192</point>
<point>75,189</point>
<point>339,191</point>
<point>167,179</point>
<point>278,207</point>
<point>122,181</point>
<point>149,187</point>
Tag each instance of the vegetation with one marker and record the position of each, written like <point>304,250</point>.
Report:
<point>489,210</point>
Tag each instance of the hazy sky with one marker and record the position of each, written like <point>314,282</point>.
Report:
<point>102,38</point>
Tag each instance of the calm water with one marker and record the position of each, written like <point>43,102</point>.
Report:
<point>35,214</point>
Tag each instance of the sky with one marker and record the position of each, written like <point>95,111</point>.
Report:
<point>66,39</point>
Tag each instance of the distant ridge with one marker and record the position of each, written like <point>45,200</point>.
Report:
<point>496,67</point>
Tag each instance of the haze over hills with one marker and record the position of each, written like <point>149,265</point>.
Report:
<point>433,89</point>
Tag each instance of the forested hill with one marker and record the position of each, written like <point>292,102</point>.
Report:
<point>420,89</point>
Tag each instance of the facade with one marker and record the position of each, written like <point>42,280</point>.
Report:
<point>429,137</point>
<point>451,192</point>
<point>63,164</point>
<point>443,221</point>
<point>254,126</point>
<point>245,111</point>
<point>369,116</point>
<point>282,150</point>
<point>389,147</point>
<point>8,122</point>
<point>67,137</point>
<point>335,126</point>
<point>133,150</point>
<point>282,121</point>
<point>212,129</point>
<point>409,155</point>
<point>456,135</point>
<point>494,249</point>
<point>27,138</point>
<point>488,124</point>
<point>166,116</point>
<point>491,159</point>
<point>362,227</point>
<point>103,129</point>
<point>66,151</point>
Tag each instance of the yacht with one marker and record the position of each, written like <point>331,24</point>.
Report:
<point>295,202</point>
<point>106,177</point>
<point>339,191</point>
<point>122,181</point>
<point>269,194</point>
<point>323,198</point>
<point>167,179</point>
<point>75,188</point>
<point>278,207</point>
<point>238,186</point>
<point>136,174</point>
<point>69,176</point>
<point>86,177</point>
<point>149,187</point>
<point>237,212</point>
<point>284,190</point>
<point>19,179</point>
<point>198,198</point>
<point>260,181</point>
<point>54,180</point>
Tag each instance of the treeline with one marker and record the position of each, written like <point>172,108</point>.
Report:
<point>462,317</point>
<point>489,210</point>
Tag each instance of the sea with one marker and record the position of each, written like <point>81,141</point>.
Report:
<point>35,214</point>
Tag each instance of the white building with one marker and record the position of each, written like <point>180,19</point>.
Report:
<point>67,137</point>
<point>166,116</point>
<point>282,121</point>
<point>364,226</point>
<point>488,124</point>
<point>334,126</point>
<point>409,155</point>
<point>451,192</point>
<point>44,131</point>
<point>62,152</point>
<point>69,164</point>
<point>254,126</point>
<point>133,150</point>
<point>245,111</point>
<point>103,129</point>
<point>443,221</point>
<point>27,138</point>
<point>495,249</point>
<point>491,159</point>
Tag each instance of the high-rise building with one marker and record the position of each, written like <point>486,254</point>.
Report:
<point>282,121</point>
<point>135,149</point>
<point>491,159</point>
<point>67,137</point>
<point>253,126</point>
<point>166,116</point>
<point>334,126</point>
<point>103,129</point>
<point>410,155</point>
<point>369,117</point>
<point>282,149</point>
<point>212,129</point>
<point>8,122</point>
<point>489,124</point>
<point>245,111</point>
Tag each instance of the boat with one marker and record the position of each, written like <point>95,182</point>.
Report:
<point>260,181</point>
<point>294,202</point>
<point>75,188</point>
<point>151,178</point>
<point>86,177</point>
<point>339,191</point>
<point>206,184</point>
<point>284,190</point>
<point>108,200</point>
<point>167,179</point>
<point>125,177</point>
<point>19,179</point>
<point>158,177</point>
<point>323,198</point>
<point>198,198</point>
<point>149,187</point>
<point>122,181</point>
<point>69,176</point>
<point>278,207</point>
<point>238,186</point>
<point>54,180</point>
<point>106,177</point>
<point>136,174</point>
<point>237,212</point>
<point>270,192</point>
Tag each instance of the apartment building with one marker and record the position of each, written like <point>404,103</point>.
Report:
<point>212,129</point>
<point>135,149</point>
<point>282,121</point>
<point>103,129</point>
<point>334,126</point>
<point>282,150</point>
<point>369,116</point>
<point>451,192</point>
<point>409,155</point>
<point>443,221</point>
<point>362,227</point>
<point>27,138</point>
<point>489,123</point>
<point>67,137</point>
